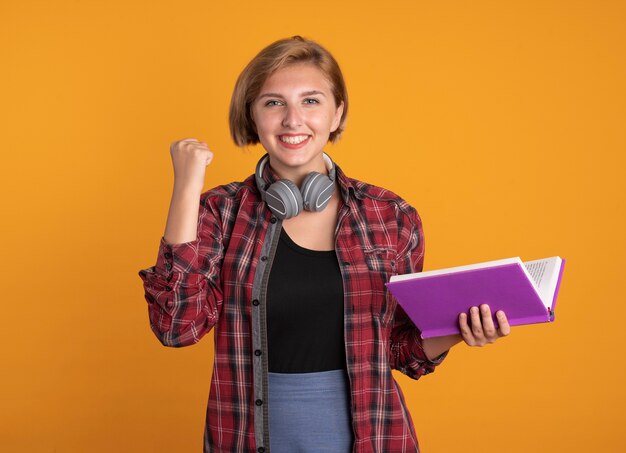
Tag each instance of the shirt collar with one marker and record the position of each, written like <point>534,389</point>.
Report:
<point>346,185</point>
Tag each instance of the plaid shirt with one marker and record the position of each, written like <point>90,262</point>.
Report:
<point>219,281</point>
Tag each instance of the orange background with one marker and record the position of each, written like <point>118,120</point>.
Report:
<point>502,122</point>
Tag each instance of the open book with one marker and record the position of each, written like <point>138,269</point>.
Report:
<point>526,292</point>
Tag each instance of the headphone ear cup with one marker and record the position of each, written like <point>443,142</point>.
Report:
<point>284,199</point>
<point>317,190</point>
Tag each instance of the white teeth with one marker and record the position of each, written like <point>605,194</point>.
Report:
<point>293,140</point>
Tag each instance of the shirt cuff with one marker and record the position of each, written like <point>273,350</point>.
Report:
<point>176,258</point>
<point>437,360</point>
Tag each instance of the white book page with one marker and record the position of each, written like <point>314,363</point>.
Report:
<point>545,274</point>
<point>450,270</point>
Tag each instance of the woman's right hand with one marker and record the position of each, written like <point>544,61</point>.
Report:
<point>190,158</point>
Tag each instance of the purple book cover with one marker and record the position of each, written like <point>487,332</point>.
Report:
<point>434,302</point>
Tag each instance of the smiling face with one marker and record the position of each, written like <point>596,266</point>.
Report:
<point>294,115</point>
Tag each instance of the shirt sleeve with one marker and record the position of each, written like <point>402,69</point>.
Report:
<point>407,353</point>
<point>406,350</point>
<point>183,290</point>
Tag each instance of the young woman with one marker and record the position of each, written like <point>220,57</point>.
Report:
<point>288,267</point>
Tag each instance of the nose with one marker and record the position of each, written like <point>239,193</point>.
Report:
<point>293,117</point>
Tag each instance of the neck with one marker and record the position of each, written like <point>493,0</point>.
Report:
<point>297,174</point>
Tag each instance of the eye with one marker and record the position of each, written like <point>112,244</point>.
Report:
<point>272,103</point>
<point>311,101</point>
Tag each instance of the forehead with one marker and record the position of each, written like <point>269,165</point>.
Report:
<point>295,78</point>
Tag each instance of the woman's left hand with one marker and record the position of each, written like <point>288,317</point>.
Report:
<point>480,329</point>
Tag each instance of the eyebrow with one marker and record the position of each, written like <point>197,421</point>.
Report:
<point>303,94</point>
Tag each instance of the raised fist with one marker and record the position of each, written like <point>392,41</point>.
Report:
<point>190,158</point>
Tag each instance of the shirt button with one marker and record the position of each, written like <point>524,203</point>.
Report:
<point>264,258</point>
<point>261,450</point>
<point>273,220</point>
<point>168,266</point>
<point>255,302</point>
<point>167,255</point>
<point>345,263</point>
<point>259,402</point>
<point>168,288</point>
<point>257,352</point>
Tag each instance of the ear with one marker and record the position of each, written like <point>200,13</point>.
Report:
<point>337,118</point>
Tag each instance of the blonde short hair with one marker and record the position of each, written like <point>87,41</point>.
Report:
<point>278,55</point>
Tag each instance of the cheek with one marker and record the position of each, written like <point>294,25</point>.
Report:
<point>266,131</point>
<point>264,135</point>
<point>266,120</point>
<point>321,122</point>
<point>262,124</point>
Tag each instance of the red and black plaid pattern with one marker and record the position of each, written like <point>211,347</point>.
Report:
<point>208,283</point>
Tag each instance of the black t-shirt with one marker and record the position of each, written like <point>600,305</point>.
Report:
<point>304,310</point>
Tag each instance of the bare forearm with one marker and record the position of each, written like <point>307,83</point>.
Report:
<point>436,346</point>
<point>182,218</point>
